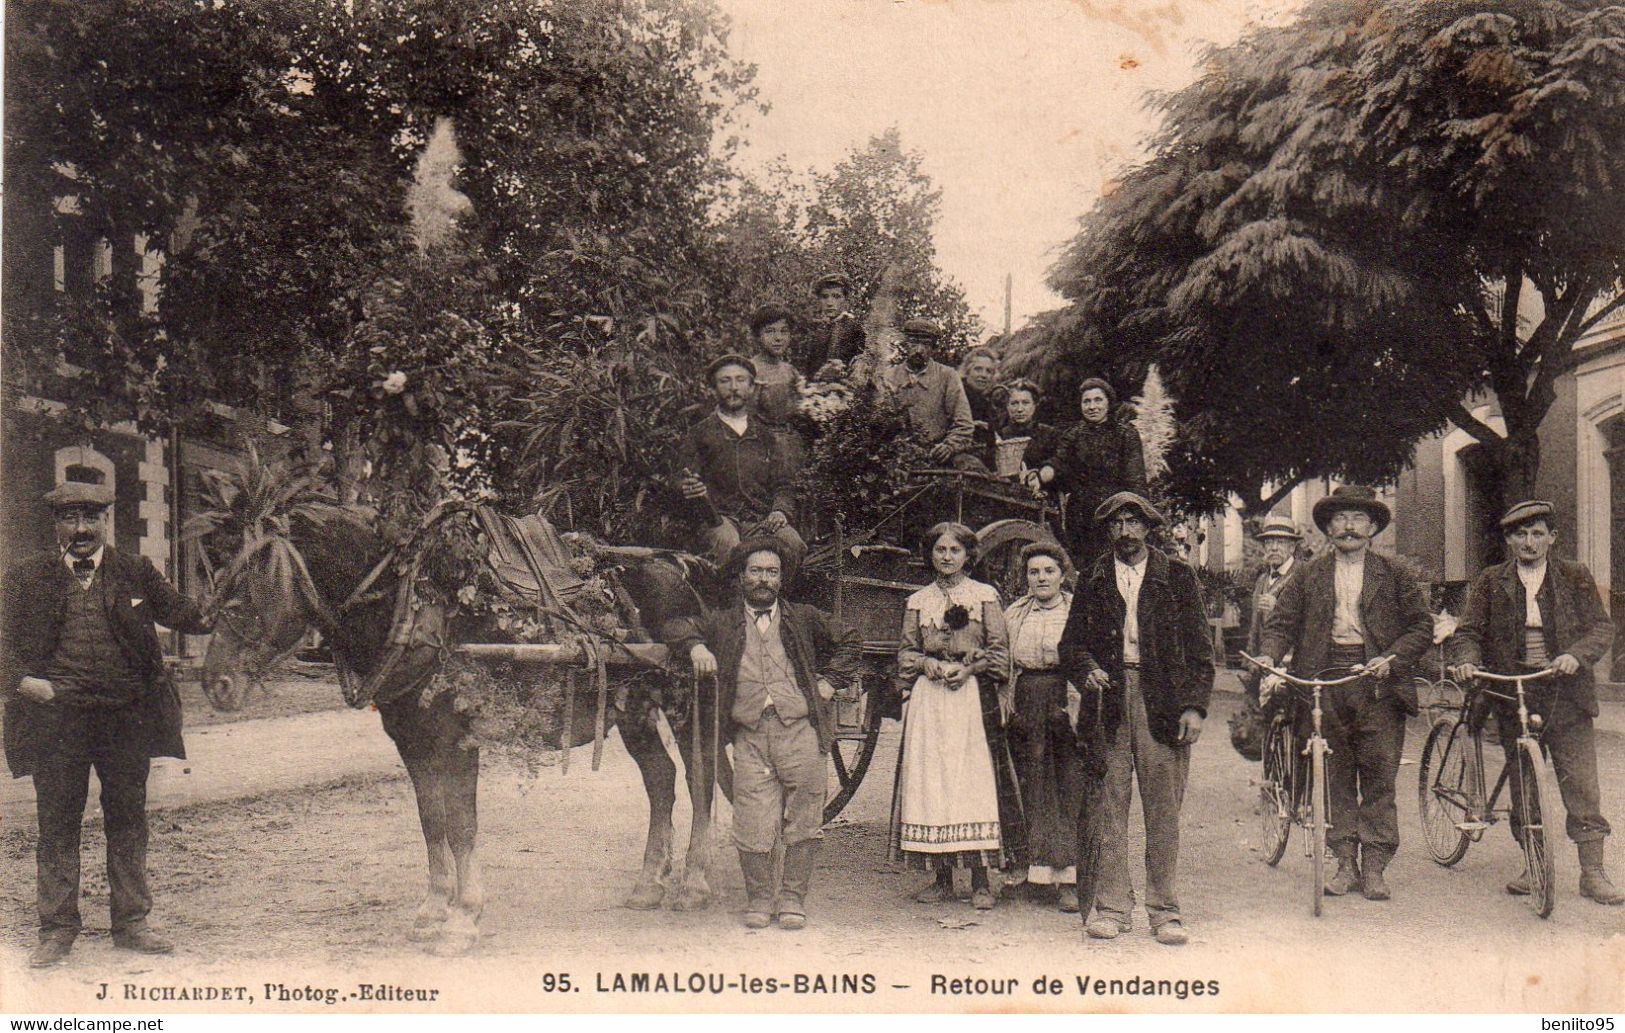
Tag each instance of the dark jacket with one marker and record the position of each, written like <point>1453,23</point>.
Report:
<point>984,414</point>
<point>840,338</point>
<point>1392,609</point>
<point>818,647</point>
<point>1263,601</point>
<point>1176,656</point>
<point>746,476</point>
<point>135,596</point>
<point>1491,630</point>
<point>1094,461</point>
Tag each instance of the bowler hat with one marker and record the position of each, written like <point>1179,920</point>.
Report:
<point>735,563</point>
<point>730,359</point>
<point>1527,510</point>
<point>1275,526</point>
<point>840,280</point>
<point>1129,500</point>
<point>1352,496</point>
<point>922,328</point>
<point>79,495</point>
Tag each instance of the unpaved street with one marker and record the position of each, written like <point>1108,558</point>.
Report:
<point>318,883</point>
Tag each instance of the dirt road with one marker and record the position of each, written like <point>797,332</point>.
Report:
<point>316,885</point>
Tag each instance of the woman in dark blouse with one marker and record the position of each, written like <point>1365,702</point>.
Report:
<point>1096,458</point>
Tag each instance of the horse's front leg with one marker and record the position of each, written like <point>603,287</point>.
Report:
<point>695,893</point>
<point>460,778</point>
<point>642,740</point>
<point>426,785</point>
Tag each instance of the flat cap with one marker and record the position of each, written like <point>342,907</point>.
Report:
<point>1129,500</point>
<point>840,280</point>
<point>922,328</point>
<point>1277,526</point>
<point>1527,510</point>
<point>730,359</point>
<point>71,494</point>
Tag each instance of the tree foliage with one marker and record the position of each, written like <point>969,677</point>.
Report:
<point>1350,223</point>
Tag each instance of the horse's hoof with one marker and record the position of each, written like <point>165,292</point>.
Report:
<point>692,900</point>
<point>423,932</point>
<point>646,898</point>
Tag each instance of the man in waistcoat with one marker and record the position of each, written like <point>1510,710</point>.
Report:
<point>1535,611</point>
<point>777,665</point>
<point>85,688</point>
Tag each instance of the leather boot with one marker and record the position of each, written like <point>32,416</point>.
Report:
<point>799,859</point>
<point>1593,879</point>
<point>758,872</point>
<point>1372,862</point>
<point>1347,876</point>
<point>1523,885</point>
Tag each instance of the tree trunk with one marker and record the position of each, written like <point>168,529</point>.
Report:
<point>1519,465</point>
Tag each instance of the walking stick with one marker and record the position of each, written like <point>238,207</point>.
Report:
<point>601,671</point>
<point>569,720</point>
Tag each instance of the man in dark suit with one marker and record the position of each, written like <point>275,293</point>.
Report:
<point>777,665</point>
<point>85,687</point>
<point>1279,538</point>
<point>1535,611</point>
<point>1138,637</point>
<point>1354,608</point>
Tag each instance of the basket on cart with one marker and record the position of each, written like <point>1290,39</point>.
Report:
<point>1007,455</point>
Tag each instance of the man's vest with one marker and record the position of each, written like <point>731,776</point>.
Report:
<point>89,665</point>
<point>766,676</point>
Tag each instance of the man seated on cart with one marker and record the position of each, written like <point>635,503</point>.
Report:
<point>1536,611</point>
<point>939,412</point>
<point>733,470</point>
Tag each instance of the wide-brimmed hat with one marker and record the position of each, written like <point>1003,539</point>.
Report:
<point>1352,496</point>
<point>1527,510</point>
<point>922,328</point>
<point>730,359</point>
<point>79,495</point>
<point>1129,500</point>
<point>1275,526</point>
<point>735,562</point>
<point>840,280</point>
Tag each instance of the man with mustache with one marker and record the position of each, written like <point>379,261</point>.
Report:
<point>934,397</point>
<point>733,471</point>
<point>1534,611</point>
<point>1279,539</point>
<point>1136,644</point>
<point>777,665</point>
<point>85,687</point>
<point>1354,608</point>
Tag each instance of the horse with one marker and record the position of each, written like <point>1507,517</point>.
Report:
<point>332,557</point>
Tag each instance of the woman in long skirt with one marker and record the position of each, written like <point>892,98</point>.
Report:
<point>953,655</point>
<point>1041,736</point>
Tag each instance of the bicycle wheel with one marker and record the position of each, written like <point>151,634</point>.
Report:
<point>1444,790</point>
<point>1275,793</point>
<point>1317,820</point>
<point>1532,807</point>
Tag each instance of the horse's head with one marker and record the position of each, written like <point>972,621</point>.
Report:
<point>261,617</point>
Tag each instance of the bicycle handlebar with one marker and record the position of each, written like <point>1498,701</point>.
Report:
<point>1306,682</point>
<point>1531,676</point>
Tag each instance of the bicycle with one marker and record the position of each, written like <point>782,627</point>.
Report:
<point>1294,792</point>
<point>1455,811</point>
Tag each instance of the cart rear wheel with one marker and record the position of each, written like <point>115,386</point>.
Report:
<point>999,546</point>
<point>858,713</point>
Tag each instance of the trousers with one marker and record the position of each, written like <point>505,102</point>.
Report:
<point>1366,734</point>
<point>1570,740</point>
<point>779,783</point>
<point>1161,772</point>
<point>82,738</point>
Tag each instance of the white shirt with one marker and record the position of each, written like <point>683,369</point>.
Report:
<point>764,623</point>
<point>68,560</point>
<point>1347,629</point>
<point>1532,577</point>
<point>1279,574</point>
<point>1129,579</point>
<point>738,424</point>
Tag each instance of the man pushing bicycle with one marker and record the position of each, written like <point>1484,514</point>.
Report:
<point>1352,608</point>
<point>1536,611</point>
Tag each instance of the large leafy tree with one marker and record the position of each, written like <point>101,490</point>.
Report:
<point>1350,224</point>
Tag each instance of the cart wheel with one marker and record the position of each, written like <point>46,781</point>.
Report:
<point>857,731</point>
<point>999,545</point>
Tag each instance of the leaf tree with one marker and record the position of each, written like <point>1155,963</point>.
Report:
<point>1350,224</point>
